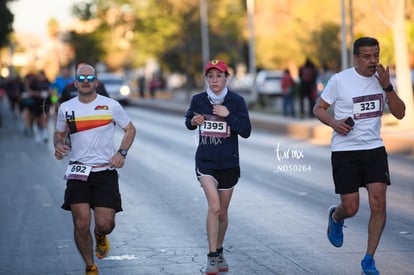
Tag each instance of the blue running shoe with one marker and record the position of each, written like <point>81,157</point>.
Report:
<point>368,266</point>
<point>335,234</point>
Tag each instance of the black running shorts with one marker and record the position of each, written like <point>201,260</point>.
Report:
<point>100,190</point>
<point>225,178</point>
<point>354,169</point>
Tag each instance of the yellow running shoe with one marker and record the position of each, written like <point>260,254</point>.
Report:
<point>91,270</point>
<point>102,246</point>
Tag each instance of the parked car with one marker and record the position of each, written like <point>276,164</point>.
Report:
<point>268,86</point>
<point>116,86</point>
<point>244,86</point>
<point>269,83</point>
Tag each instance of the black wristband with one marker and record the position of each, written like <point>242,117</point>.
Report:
<point>388,89</point>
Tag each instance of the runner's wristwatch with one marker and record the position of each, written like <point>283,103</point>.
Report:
<point>123,152</point>
<point>388,89</point>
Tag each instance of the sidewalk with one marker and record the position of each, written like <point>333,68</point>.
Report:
<point>396,140</point>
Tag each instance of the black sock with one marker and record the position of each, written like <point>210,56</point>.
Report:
<point>212,254</point>
<point>220,250</point>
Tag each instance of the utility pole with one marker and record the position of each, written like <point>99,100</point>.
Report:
<point>344,51</point>
<point>205,48</point>
<point>351,33</point>
<point>252,54</point>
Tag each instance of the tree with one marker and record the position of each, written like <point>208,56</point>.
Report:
<point>86,42</point>
<point>327,46</point>
<point>87,47</point>
<point>6,21</point>
<point>127,33</point>
<point>183,53</point>
<point>131,32</point>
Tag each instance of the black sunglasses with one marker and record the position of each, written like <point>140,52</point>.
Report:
<point>89,77</point>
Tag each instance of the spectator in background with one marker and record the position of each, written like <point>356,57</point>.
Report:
<point>153,85</point>
<point>26,103</point>
<point>288,90</point>
<point>61,81</point>
<point>3,93</point>
<point>141,85</point>
<point>3,85</point>
<point>308,74</point>
<point>14,89</point>
<point>156,83</point>
<point>59,84</point>
<point>40,109</point>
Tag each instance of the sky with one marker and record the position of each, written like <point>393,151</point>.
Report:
<point>32,15</point>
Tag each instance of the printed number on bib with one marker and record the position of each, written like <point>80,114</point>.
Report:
<point>368,106</point>
<point>77,172</point>
<point>214,126</point>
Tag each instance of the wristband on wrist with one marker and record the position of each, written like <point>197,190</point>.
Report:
<point>388,89</point>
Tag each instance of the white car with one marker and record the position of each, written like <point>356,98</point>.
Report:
<point>268,86</point>
<point>116,86</point>
<point>268,83</point>
<point>244,86</point>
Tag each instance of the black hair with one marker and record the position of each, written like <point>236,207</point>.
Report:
<point>364,42</point>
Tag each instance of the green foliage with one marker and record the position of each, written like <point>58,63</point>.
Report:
<point>410,33</point>
<point>167,31</point>
<point>129,32</point>
<point>327,46</point>
<point>225,39</point>
<point>87,46</point>
<point>157,27</point>
<point>6,21</point>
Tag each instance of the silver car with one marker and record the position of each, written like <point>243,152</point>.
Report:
<point>116,86</point>
<point>269,83</point>
<point>268,86</point>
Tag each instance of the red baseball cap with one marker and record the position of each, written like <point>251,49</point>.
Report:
<point>216,64</point>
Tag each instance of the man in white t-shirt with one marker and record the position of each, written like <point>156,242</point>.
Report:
<point>92,179</point>
<point>358,96</point>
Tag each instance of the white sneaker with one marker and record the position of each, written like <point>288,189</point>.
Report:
<point>212,265</point>
<point>222,263</point>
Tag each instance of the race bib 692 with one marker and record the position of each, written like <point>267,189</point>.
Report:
<point>77,172</point>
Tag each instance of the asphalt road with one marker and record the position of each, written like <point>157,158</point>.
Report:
<point>278,215</point>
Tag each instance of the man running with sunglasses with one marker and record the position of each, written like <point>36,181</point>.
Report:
<point>92,178</point>
<point>70,91</point>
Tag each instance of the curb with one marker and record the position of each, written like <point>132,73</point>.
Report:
<point>395,140</point>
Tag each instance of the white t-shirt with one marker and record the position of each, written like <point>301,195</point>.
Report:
<point>92,128</point>
<point>359,97</point>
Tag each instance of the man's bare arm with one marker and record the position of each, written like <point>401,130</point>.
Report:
<point>61,149</point>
